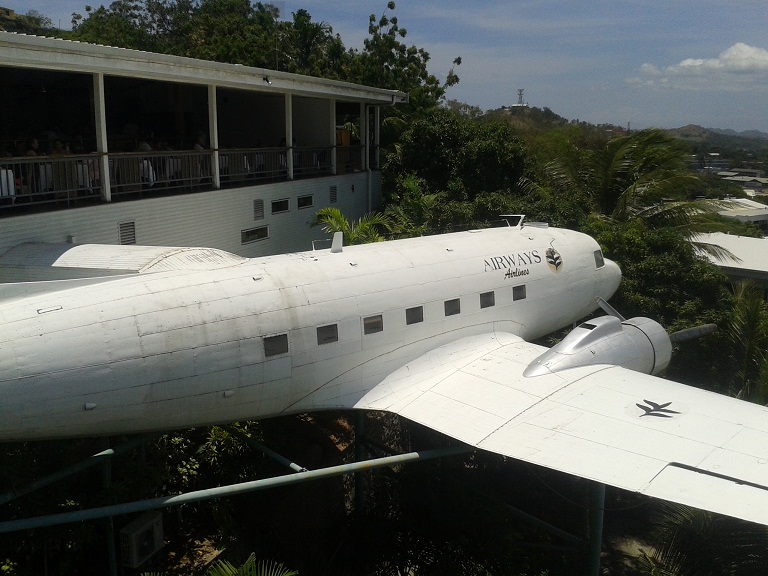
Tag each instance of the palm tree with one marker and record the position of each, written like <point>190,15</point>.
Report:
<point>250,568</point>
<point>690,542</point>
<point>626,174</point>
<point>368,228</point>
<point>747,334</point>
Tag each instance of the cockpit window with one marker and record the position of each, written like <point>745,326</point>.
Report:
<point>599,260</point>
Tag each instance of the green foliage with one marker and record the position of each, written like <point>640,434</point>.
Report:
<point>662,276</point>
<point>456,156</point>
<point>249,568</point>
<point>123,24</point>
<point>366,229</point>
<point>33,22</point>
<point>624,176</point>
<point>387,62</point>
<point>689,542</point>
<point>241,32</point>
<point>747,335</point>
<point>448,171</point>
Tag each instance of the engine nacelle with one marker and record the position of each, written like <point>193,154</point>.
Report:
<point>639,344</point>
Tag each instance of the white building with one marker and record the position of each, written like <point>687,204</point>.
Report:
<point>744,258</point>
<point>276,148</point>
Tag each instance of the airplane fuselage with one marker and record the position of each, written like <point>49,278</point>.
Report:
<point>277,335</point>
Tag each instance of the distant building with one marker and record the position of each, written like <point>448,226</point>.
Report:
<point>747,258</point>
<point>748,211</point>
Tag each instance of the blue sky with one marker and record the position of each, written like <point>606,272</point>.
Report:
<point>662,63</point>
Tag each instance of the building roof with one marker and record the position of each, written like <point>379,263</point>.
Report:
<point>745,210</point>
<point>748,256</point>
<point>25,51</point>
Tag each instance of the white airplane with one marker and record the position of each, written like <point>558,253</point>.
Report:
<point>434,329</point>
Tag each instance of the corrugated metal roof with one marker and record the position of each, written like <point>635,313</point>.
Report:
<point>67,55</point>
<point>749,254</point>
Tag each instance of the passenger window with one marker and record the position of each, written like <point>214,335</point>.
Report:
<point>328,334</point>
<point>487,299</point>
<point>373,324</point>
<point>599,260</point>
<point>414,315</point>
<point>452,307</point>
<point>274,345</point>
<point>518,292</point>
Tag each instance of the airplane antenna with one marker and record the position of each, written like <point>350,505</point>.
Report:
<point>338,242</point>
<point>608,309</point>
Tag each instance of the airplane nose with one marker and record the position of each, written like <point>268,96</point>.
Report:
<point>609,279</point>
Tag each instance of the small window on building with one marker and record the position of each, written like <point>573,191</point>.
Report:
<point>414,315</point>
<point>373,324</point>
<point>328,334</point>
<point>452,307</point>
<point>599,260</point>
<point>279,206</point>
<point>518,292</point>
<point>258,209</point>
<point>306,201</point>
<point>254,234</point>
<point>334,192</point>
<point>274,345</point>
<point>487,299</point>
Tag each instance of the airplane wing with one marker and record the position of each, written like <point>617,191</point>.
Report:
<point>601,422</point>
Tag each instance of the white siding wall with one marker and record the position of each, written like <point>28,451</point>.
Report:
<point>211,219</point>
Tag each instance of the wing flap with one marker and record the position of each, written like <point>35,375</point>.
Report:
<point>605,423</point>
<point>711,492</point>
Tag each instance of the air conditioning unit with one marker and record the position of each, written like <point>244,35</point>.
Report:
<point>141,539</point>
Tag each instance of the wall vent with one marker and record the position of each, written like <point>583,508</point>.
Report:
<point>141,539</point>
<point>126,233</point>
<point>333,194</point>
<point>258,209</point>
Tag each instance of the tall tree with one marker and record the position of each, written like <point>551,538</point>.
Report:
<point>312,49</point>
<point>122,25</point>
<point>747,334</point>
<point>467,171</point>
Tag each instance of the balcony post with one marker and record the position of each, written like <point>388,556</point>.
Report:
<point>213,136</point>
<point>101,136</point>
<point>289,135</point>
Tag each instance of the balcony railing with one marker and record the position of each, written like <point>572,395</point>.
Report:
<point>49,180</point>
<point>63,181</point>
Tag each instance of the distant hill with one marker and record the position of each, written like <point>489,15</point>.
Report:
<point>744,134</point>
<point>718,139</point>
<point>30,23</point>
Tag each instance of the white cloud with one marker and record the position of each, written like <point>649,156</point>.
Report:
<point>738,68</point>
<point>739,58</point>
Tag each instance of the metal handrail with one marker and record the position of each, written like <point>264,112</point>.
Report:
<point>50,182</point>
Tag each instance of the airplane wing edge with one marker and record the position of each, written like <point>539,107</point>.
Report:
<point>597,422</point>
